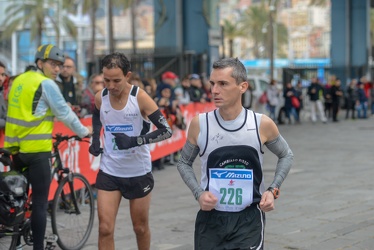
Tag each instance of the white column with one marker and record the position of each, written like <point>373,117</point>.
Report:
<point>14,53</point>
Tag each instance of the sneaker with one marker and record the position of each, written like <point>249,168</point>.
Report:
<point>19,247</point>
<point>51,241</point>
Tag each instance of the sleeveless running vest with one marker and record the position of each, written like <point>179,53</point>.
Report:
<point>23,130</point>
<point>131,162</point>
<point>231,156</point>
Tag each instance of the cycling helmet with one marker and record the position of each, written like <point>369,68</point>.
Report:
<point>49,51</point>
<point>12,197</point>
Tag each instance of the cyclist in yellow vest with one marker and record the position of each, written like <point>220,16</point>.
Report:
<point>34,100</point>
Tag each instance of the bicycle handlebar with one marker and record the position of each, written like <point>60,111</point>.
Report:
<point>60,138</point>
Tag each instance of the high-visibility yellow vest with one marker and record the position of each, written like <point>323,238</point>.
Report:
<point>23,130</point>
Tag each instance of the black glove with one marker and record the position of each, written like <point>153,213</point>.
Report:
<point>124,141</point>
<point>95,149</point>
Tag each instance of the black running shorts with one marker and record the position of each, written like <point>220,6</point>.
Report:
<point>216,230</point>
<point>130,188</point>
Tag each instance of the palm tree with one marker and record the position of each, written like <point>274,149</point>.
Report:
<point>231,30</point>
<point>34,15</point>
<point>252,22</point>
<point>318,2</point>
<point>126,4</point>
<point>90,7</point>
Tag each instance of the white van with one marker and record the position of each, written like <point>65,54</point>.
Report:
<point>251,97</point>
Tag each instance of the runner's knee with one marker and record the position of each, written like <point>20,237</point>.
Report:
<point>105,229</point>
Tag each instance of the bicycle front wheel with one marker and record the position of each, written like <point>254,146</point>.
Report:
<point>9,237</point>
<point>73,212</point>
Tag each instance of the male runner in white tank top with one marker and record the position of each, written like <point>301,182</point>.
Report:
<point>232,193</point>
<point>125,112</point>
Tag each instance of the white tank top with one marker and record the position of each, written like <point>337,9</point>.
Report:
<point>231,156</point>
<point>132,162</point>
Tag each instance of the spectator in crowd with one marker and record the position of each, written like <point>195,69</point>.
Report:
<point>314,90</point>
<point>351,98</point>
<point>125,111</point>
<point>197,92</point>
<point>136,80</point>
<point>288,93</point>
<point>327,98</point>
<point>372,98</point>
<point>300,97</point>
<point>166,104</point>
<point>170,79</point>
<point>95,84</point>
<point>151,90</point>
<point>3,106</point>
<point>272,93</point>
<point>70,83</point>
<point>182,92</point>
<point>229,141</point>
<point>336,94</point>
<point>362,101</point>
<point>367,85</point>
<point>206,87</point>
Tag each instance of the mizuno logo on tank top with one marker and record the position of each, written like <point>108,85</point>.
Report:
<point>119,128</point>
<point>224,174</point>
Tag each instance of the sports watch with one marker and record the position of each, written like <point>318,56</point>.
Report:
<point>275,191</point>
<point>139,140</point>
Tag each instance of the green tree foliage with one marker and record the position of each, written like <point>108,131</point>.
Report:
<point>255,22</point>
<point>231,31</point>
<point>318,2</point>
<point>34,15</point>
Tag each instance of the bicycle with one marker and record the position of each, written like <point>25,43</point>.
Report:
<point>72,212</point>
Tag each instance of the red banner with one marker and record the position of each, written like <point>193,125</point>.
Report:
<point>75,154</point>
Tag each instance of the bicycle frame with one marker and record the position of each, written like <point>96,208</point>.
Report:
<point>63,176</point>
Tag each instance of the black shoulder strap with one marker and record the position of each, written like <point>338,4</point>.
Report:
<point>257,131</point>
<point>105,92</point>
<point>207,134</point>
<point>134,90</point>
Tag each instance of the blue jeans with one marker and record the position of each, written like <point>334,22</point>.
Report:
<point>291,111</point>
<point>271,111</point>
<point>362,107</point>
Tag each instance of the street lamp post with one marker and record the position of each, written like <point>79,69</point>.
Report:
<point>272,41</point>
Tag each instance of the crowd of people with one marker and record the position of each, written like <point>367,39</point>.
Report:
<point>325,102</point>
<point>229,140</point>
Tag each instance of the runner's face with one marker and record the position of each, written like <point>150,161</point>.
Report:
<point>115,81</point>
<point>225,91</point>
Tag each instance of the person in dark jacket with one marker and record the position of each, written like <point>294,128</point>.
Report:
<point>336,94</point>
<point>351,97</point>
<point>288,93</point>
<point>314,91</point>
<point>362,101</point>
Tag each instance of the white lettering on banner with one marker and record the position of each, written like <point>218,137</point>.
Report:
<point>70,156</point>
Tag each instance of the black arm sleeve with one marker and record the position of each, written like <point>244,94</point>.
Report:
<point>163,129</point>
<point>163,132</point>
<point>96,124</point>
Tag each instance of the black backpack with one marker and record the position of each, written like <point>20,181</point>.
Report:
<point>13,196</point>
